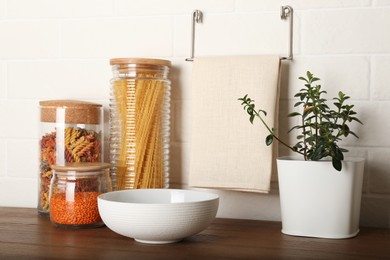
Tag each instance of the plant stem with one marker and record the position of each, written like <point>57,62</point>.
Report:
<point>304,139</point>
<point>316,125</point>
<point>277,138</point>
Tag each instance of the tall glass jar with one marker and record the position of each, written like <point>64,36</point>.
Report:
<point>70,131</point>
<point>140,123</point>
<point>74,192</point>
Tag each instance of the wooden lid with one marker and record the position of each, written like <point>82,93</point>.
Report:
<point>68,103</point>
<point>76,112</point>
<point>143,61</point>
<point>81,167</point>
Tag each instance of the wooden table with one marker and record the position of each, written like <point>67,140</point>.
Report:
<point>26,235</point>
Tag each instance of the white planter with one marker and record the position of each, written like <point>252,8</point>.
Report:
<point>318,201</point>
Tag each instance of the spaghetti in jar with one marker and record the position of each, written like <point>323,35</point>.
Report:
<point>139,123</point>
<point>70,132</point>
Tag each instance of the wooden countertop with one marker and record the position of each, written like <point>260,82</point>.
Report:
<point>26,235</point>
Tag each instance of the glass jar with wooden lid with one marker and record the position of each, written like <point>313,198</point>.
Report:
<point>74,192</point>
<point>70,131</point>
<point>140,123</point>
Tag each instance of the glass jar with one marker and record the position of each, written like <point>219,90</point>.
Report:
<point>70,131</point>
<point>140,123</point>
<point>73,194</point>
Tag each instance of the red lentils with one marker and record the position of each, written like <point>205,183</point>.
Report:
<point>74,189</point>
<point>79,209</point>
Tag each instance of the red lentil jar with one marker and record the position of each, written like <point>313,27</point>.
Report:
<point>74,190</point>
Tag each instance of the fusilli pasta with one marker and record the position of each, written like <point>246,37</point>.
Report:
<point>81,145</point>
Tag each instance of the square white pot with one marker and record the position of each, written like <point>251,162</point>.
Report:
<point>318,201</point>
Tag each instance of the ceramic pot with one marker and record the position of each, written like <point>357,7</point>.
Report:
<point>318,201</point>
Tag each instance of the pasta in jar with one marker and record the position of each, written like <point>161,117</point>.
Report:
<point>71,132</point>
<point>139,123</point>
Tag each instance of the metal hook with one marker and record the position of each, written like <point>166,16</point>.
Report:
<point>285,12</point>
<point>197,17</point>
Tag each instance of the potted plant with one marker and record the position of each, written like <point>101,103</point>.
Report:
<point>320,192</point>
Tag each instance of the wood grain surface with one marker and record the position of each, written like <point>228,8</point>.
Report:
<point>26,235</point>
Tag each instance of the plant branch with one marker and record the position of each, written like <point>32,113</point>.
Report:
<point>250,107</point>
<point>276,137</point>
<point>322,127</point>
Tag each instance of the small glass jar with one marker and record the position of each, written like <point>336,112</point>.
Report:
<point>73,194</point>
<point>140,123</point>
<point>70,131</point>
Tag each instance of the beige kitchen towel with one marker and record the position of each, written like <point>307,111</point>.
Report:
<point>227,151</point>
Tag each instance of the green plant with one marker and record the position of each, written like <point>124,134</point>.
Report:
<point>321,127</point>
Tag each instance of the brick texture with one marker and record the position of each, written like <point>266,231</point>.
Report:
<point>60,50</point>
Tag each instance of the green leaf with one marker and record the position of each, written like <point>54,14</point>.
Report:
<point>243,98</point>
<point>294,114</point>
<point>336,164</point>
<point>338,154</point>
<point>251,118</point>
<point>302,78</point>
<point>263,111</point>
<point>297,147</point>
<point>269,139</point>
<point>299,103</point>
<point>352,133</point>
<point>314,79</point>
<point>357,120</point>
<point>318,153</point>
<point>337,104</point>
<point>294,127</point>
<point>352,113</point>
<point>306,112</point>
<point>250,110</point>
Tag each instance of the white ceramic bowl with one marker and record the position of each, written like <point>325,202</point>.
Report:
<point>158,216</point>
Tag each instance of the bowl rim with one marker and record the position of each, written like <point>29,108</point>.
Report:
<point>214,196</point>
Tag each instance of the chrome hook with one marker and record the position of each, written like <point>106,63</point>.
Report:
<point>285,12</point>
<point>197,17</point>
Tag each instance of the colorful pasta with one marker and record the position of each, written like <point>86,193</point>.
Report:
<point>81,145</point>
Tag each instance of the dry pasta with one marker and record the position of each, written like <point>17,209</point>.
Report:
<point>81,145</point>
<point>120,96</point>
<point>139,108</point>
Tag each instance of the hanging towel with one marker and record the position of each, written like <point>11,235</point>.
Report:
<point>227,152</point>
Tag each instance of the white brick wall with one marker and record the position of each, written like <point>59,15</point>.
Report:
<point>345,31</point>
<point>29,39</point>
<point>380,77</point>
<point>133,36</point>
<point>52,49</point>
<point>59,8</point>
<point>82,79</point>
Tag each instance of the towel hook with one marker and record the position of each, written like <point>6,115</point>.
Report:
<point>285,12</point>
<point>197,17</point>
